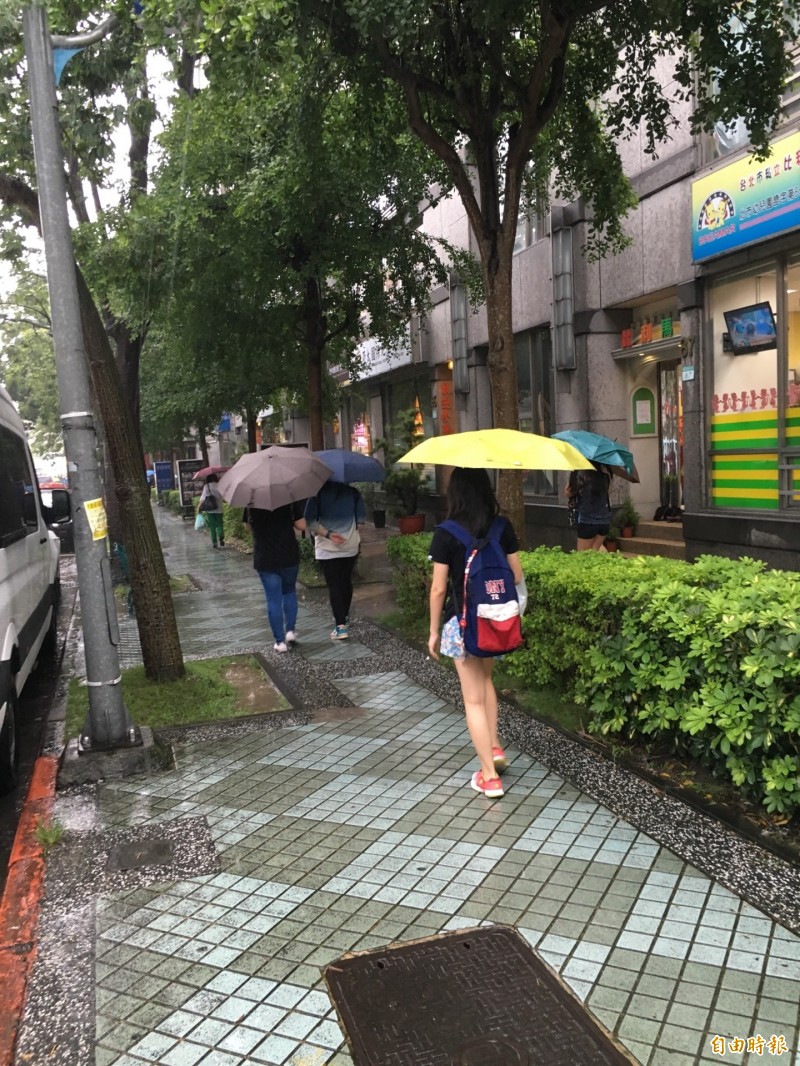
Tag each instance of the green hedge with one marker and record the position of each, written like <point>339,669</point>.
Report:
<point>234,526</point>
<point>172,500</point>
<point>704,655</point>
<point>411,571</point>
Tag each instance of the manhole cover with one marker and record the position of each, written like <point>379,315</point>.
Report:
<point>141,853</point>
<point>475,998</point>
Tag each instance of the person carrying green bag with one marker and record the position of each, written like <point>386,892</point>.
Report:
<point>211,509</point>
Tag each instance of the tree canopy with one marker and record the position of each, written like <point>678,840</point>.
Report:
<point>285,216</point>
<point>27,366</point>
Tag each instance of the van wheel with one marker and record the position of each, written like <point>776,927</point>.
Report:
<point>9,756</point>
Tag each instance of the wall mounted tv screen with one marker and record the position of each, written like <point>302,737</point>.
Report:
<point>751,329</point>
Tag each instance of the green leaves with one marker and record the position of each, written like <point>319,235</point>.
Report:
<point>702,655</point>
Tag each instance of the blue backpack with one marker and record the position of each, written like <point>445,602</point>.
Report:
<point>490,616</point>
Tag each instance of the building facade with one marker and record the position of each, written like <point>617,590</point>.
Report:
<point>685,346</point>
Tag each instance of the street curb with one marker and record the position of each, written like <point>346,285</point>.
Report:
<point>21,903</point>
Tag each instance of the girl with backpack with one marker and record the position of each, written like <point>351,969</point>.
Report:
<point>472,504</point>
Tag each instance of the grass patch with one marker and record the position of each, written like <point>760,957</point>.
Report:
<point>201,696</point>
<point>48,834</point>
<point>545,702</point>
<point>414,630</point>
<point>179,583</point>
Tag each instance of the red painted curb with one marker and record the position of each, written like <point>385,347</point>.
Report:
<point>22,898</point>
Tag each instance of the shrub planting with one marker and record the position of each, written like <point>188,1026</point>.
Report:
<point>704,656</point>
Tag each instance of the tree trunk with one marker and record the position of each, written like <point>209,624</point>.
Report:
<point>158,630</point>
<point>128,355</point>
<point>201,436</point>
<point>155,614</point>
<point>252,425</point>
<point>503,376</point>
<point>315,330</point>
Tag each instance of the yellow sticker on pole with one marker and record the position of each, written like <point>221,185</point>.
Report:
<point>98,522</point>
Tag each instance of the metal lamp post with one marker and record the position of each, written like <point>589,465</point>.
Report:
<point>109,724</point>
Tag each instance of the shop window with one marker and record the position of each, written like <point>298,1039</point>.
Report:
<point>746,403</point>
<point>415,393</point>
<point>534,360</point>
<point>358,424</point>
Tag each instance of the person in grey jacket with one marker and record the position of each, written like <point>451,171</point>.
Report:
<point>333,515</point>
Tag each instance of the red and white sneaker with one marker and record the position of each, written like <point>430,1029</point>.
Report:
<point>500,760</point>
<point>493,788</point>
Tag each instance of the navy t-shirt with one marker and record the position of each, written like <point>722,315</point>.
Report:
<point>445,548</point>
<point>274,542</point>
<point>591,489</point>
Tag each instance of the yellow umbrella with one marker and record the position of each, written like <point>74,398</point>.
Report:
<point>500,449</point>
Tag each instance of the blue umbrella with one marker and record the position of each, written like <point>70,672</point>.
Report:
<point>349,466</point>
<point>603,450</point>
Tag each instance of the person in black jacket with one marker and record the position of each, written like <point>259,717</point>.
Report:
<point>276,558</point>
<point>587,491</point>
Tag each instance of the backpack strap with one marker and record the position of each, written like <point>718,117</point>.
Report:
<point>457,530</point>
<point>471,548</point>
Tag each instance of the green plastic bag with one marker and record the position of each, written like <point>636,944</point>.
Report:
<point>200,522</point>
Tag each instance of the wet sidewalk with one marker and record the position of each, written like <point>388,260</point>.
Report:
<point>349,824</point>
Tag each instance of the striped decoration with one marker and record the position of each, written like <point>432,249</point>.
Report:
<point>739,478</point>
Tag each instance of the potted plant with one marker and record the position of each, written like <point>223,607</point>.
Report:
<point>628,518</point>
<point>611,543</point>
<point>374,497</point>
<point>403,483</point>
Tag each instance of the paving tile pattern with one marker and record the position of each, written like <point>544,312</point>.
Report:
<point>321,855</point>
<point>345,836</point>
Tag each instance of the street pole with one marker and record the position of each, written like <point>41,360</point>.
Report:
<point>109,724</point>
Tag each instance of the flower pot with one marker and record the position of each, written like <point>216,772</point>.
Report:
<point>379,518</point>
<point>411,523</point>
<point>627,531</point>
<point>611,546</point>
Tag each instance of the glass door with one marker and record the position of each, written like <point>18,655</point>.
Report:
<point>671,435</point>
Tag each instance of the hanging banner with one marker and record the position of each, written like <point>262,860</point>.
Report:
<point>747,201</point>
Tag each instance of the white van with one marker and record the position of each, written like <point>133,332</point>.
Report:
<point>29,585</point>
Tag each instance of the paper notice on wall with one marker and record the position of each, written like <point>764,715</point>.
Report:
<point>98,523</point>
<point>644,412</point>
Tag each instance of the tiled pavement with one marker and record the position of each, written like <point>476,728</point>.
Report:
<point>344,835</point>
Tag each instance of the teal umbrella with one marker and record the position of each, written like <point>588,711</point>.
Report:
<point>600,449</point>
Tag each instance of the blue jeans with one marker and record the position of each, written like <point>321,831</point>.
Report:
<point>280,589</point>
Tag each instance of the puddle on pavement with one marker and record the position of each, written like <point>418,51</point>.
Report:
<point>256,693</point>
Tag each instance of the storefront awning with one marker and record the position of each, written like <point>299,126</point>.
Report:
<point>655,351</point>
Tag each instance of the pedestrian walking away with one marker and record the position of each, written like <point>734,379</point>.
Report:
<point>589,506</point>
<point>210,507</point>
<point>276,558</point>
<point>334,515</point>
<point>472,504</point>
